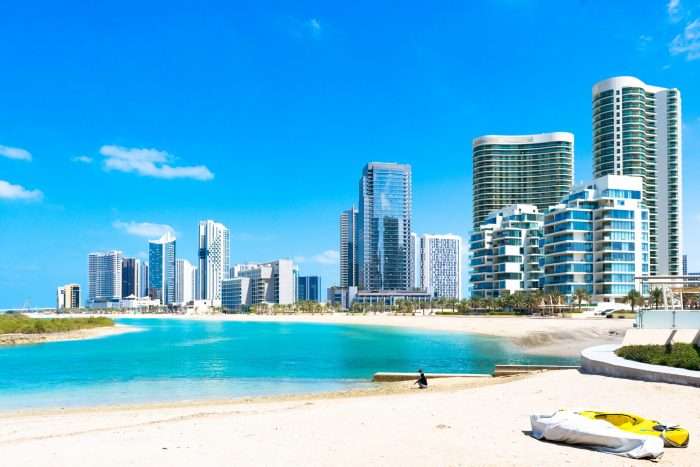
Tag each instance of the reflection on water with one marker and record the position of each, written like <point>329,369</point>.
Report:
<point>180,360</point>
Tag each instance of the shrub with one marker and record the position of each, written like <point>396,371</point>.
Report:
<point>21,324</point>
<point>678,356</point>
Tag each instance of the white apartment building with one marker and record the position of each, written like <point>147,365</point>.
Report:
<point>256,283</point>
<point>439,265</point>
<point>214,254</point>
<point>68,297</point>
<point>104,278</point>
<point>184,281</point>
<point>637,131</point>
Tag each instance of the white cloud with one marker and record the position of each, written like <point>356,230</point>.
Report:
<point>15,153</point>
<point>82,159</point>
<point>673,8</point>
<point>150,163</point>
<point>18,192</point>
<point>688,42</point>
<point>143,229</point>
<point>327,257</point>
<point>313,27</point>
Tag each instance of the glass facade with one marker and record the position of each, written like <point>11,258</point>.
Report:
<point>604,250</point>
<point>530,169</point>
<point>506,252</point>
<point>162,268</point>
<point>636,131</point>
<point>384,227</point>
<point>309,288</point>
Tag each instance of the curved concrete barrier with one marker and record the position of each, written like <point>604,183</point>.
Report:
<point>602,360</point>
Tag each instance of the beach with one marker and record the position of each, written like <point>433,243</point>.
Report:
<point>451,423</point>
<point>544,336</point>
<point>78,334</point>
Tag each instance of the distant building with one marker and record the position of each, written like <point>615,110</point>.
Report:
<point>528,169</point>
<point>506,252</point>
<point>389,297</point>
<point>439,265</point>
<point>274,282</point>
<point>161,273</point>
<point>309,288</point>
<point>415,262</point>
<point>341,296</point>
<point>637,132</point>
<point>348,248</point>
<point>184,281</point>
<point>214,253</point>
<point>104,278</point>
<point>384,227</point>
<point>143,289</point>
<point>685,265</point>
<point>597,239</point>
<point>68,297</point>
<point>131,277</point>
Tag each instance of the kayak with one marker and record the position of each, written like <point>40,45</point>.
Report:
<point>673,436</point>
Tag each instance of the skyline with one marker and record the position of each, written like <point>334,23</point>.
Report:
<point>160,159</point>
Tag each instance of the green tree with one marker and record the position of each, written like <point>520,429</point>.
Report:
<point>634,299</point>
<point>581,295</point>
<point>656,295</point>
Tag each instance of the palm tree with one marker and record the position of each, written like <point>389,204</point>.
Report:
<point>581,295</point>
<point>634,298</point>
<point>656,295</point>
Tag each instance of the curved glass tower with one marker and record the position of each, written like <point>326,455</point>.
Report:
<point>529,169</point>
<point>384,227</point>
<point>637,131</point>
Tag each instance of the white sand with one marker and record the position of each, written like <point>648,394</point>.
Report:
<point>482,425</point>
<point>78,334</point>
<point>551,336</point>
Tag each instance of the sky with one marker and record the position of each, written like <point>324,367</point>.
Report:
<point>120,120</point>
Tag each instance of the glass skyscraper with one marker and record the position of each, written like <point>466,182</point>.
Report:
<point>528,169</point>
<point>637,131</point>
<point>161,271</point>
<point>348,248</point>
<point>384,227</point>
<point>214,257</point>
<point>309,288</point>
<point>104,278</point>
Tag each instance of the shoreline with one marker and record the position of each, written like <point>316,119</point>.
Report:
<point>565,337</point>
<point>11,340</point>
<point>447,424</point>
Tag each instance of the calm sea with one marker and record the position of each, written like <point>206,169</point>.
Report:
<point>174,360</point>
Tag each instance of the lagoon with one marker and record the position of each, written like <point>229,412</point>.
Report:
<point>179,359</point>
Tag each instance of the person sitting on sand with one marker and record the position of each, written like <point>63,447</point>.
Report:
<point>422,381</point>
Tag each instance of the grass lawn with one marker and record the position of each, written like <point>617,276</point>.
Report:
<point>15,323</point>
<point>678,356</point>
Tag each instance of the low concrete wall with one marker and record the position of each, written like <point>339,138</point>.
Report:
<point>510,370</point>
<point>602,360</point>
<point>388,377</point>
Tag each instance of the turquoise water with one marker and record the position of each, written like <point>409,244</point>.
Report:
<point>174,360</point>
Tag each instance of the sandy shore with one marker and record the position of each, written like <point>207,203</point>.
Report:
<point>546,336</point>
<point>78,334</point>
<point>452,423</point>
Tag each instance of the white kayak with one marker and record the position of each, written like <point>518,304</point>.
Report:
<point>571,428</point>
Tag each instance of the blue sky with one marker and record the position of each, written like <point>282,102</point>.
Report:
<point>118,115</point>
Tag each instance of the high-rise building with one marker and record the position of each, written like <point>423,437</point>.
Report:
<point>68,297</point>
<point>637,131</point>
<point>309,288</point>
<point>184,281</point>
<point>414,258</point>
<point>272,283</point>
<point>529,169</point>
<point>131,277</point>
<point>597,239</point>
<point>506,252</point>
<point>348,248</point>
<point>104,278</point>
<point>384,227</point>
<point>214,251</point>
<point>440,265</point>
<point>143,289</point>
<point>685,265</point>
<point>161,269</point>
